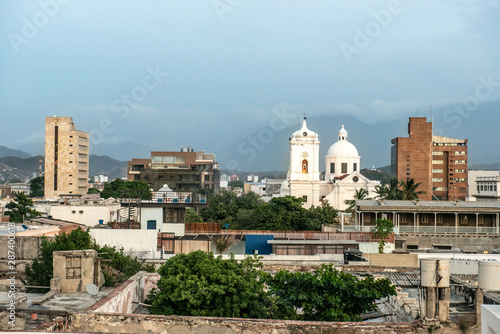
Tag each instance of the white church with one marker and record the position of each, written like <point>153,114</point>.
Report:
<point>342,176</point>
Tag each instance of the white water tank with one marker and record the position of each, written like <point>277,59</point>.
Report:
<point>431,269</point>
<point>489,275</point>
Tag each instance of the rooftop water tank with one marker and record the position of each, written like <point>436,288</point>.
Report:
<point>435,273</point>
<point>489,275</point>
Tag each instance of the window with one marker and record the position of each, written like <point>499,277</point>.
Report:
<point>437,179</point>
<point>305,168</point>
<point>412,247</point>
<point>344,167</point>
<point>355,167</point>
<point>332,168</point>
<point>459,152</point>
<point>305,197</point>
<point>437,153</point>
<point>460,161</point>
<point>440,189</point>
<point>151,225</point>
<point>437,162</point>
<point>207,178</point>
<point>459,170</point>
<point>73,267</point>
<point>437,171</point>
<point>80,212</point>
<point>73,211</point>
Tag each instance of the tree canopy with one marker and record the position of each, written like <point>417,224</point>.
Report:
<point>127,189</point>
<point>383,227</point>
<point>20,208</point>
<point>37,187</point>
<point>249,212</point>
<point>199,284</point>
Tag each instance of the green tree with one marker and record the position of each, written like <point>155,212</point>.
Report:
<point>323,214</point>
<point>390,191</point>
<point>93,191</point>
<point>328,294</point>
<point>236,184</point>
<point>192,216</point>
<point>21,207</point>
<point>118,269</point>
<point>383,228</point>
<point>409,189</point>
<point>199,284</point>
<point>359,194</point>
<point>127,189</point>
<point>37,187</point>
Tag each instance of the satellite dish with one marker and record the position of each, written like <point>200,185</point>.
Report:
<point>92,289</point>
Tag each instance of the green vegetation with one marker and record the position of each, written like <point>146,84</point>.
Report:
<point>249,212</point>
<point>192,216</point>
<point>399,190</point>
<point>359,194</point>
<point>378,175</point>
<point>93,191</point>
<point>20,208</point>
<point>236,184</point>
<point>383,227</point>
<point>199,284</point>
<point>126,189</point>
<point>37,187</point>
<point>119,269</point>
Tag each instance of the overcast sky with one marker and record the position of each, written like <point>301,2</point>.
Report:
<point>206,73</point>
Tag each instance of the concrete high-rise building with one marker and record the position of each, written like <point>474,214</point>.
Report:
<point>66,158</point>
<point>438,163</point>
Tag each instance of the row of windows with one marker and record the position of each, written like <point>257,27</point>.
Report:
<point>168,160</point>
<point>487,187</point>
<point>440,162</point>
<point>343,168</point>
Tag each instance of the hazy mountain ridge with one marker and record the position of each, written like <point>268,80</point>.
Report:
<point>8,152</point>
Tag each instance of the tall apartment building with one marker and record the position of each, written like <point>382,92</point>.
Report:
<point>184,171</point>
<point>438,163</point>
<point>66,158</point>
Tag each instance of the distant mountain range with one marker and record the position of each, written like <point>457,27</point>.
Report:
<point>18,167</point>
<point>267,150</point>
<point>7,152</point>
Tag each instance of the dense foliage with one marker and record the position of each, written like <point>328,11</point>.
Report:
<point>328,294</point>
<point>199,284</point>
<point>20,208</point>
<point>119,269</point>
<point>249,212</point>
<point>126,189</point>
<point>37,187</point>
<point>93,191</point>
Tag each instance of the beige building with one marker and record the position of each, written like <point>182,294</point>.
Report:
<point>66,158</point>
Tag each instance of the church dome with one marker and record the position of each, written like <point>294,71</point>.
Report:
<point>304,133</point>
<point>342,148</point>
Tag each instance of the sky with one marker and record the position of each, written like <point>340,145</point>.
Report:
<point>164,74</point>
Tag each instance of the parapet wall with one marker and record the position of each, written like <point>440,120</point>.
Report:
<point>135,289</point>
<point>152,324</point>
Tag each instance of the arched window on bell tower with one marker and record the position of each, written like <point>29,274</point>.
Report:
<point>305,166</point>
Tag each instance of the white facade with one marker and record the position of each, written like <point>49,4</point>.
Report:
<point>140,243</point>
<point>472,176</point>
<point>342,177</point>
<point>89,215</point>
<point>152,219</point>
<point>490,319</point>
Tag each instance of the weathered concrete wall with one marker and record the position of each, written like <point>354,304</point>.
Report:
<point>26,248</point>
<point>468,242</point>
<point>128,323</point>
<point>392,260</point>
<point>144,243</point>
<point>135,289</point>
<point>76,269</point>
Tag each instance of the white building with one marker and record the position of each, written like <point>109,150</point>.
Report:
<point>481,193</point>
<point>342,164</point>
<point>101,179</point>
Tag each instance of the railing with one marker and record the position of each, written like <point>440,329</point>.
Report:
<point>202,228</point>
<point>448,230</point>
<point>170,197</point>
<point>314,235</point>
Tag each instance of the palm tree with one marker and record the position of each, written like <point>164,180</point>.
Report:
<point>359,194</point>
<point>409,189</point>
<point>389,191</point>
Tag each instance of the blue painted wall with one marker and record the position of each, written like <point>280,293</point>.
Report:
<point>258,242</point>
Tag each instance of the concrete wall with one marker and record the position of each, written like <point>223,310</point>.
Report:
<point>135,289</point>
<point>26,248</point>
<point>88,264</point>
<point>470,242</point>
<point>140,243</point>
<point>151,324</point>
<point>151,214</point>
<point>490,319</point>
<point>372,247</point>
<point>88,215</point>
<point>178,229</point>
<point>392,260</point>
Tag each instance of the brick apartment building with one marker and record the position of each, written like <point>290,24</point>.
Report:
<point>66,158</point>
<point>438,163</point>
<point>184,171</point>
